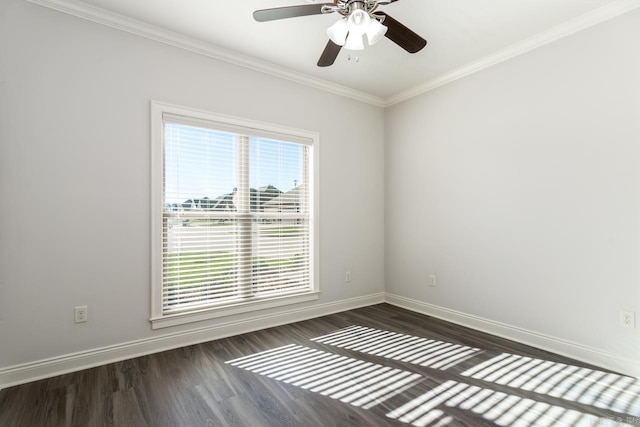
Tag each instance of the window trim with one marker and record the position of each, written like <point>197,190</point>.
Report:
<point>158,110</point>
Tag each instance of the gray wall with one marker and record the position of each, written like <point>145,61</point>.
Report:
<point>75,176</point>
<point>519,188</point>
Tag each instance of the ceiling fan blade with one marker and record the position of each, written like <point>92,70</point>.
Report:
<point>401,35</point>
<point>329,54</point>
<point>289,12</point>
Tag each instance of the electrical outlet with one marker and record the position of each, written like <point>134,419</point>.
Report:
<point>347,276</point>
<point>81,314</point>
<point>433,280</point>
<point>627,319</point>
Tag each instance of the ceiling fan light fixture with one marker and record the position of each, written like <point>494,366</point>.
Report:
<point>354,42</point>
<point>338,32</point>
<point>358,21</point>
<point>375,32</point>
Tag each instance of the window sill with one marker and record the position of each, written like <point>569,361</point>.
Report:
<point>230,310</point>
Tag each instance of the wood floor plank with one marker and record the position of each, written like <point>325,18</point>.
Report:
<point>126,409</point>
<point>374,366</point>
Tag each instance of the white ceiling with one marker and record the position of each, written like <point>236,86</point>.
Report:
<point>460,33</point>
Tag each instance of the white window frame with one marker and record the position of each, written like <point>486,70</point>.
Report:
<point>312,139</point>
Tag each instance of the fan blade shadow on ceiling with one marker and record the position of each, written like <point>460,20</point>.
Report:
<point>401,35</point>
<point>329,54</point>
<point>289,12</point>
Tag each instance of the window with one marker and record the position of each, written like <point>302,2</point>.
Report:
<point>233,215</point>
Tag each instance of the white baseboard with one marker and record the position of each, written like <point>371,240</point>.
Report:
<point>33,371</point>
<point>614,362</point>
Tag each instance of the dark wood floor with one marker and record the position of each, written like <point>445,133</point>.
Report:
<point>375,366</point>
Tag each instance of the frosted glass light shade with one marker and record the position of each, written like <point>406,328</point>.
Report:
<point>375,32</point>
<point>358,21</point>
<point>338,32</point>
<point>354,42</point>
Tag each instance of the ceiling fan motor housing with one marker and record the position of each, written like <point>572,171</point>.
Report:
<point>347,7</point>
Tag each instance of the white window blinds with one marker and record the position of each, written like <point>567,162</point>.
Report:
<point>236,215</point>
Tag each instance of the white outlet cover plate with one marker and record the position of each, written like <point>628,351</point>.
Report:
<point>628,319</point>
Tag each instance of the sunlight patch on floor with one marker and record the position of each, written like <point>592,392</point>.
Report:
<point>572,383</point>
<point>351,381</point>
<point>404,348</point>
<point>503,409</point>
<point>503,389</point>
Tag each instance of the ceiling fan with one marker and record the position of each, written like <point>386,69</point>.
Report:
<point>359,18</point>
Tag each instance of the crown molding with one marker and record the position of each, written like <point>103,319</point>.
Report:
<point>589,19</point>
<point>120,22</point>
<point>133,26</point>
